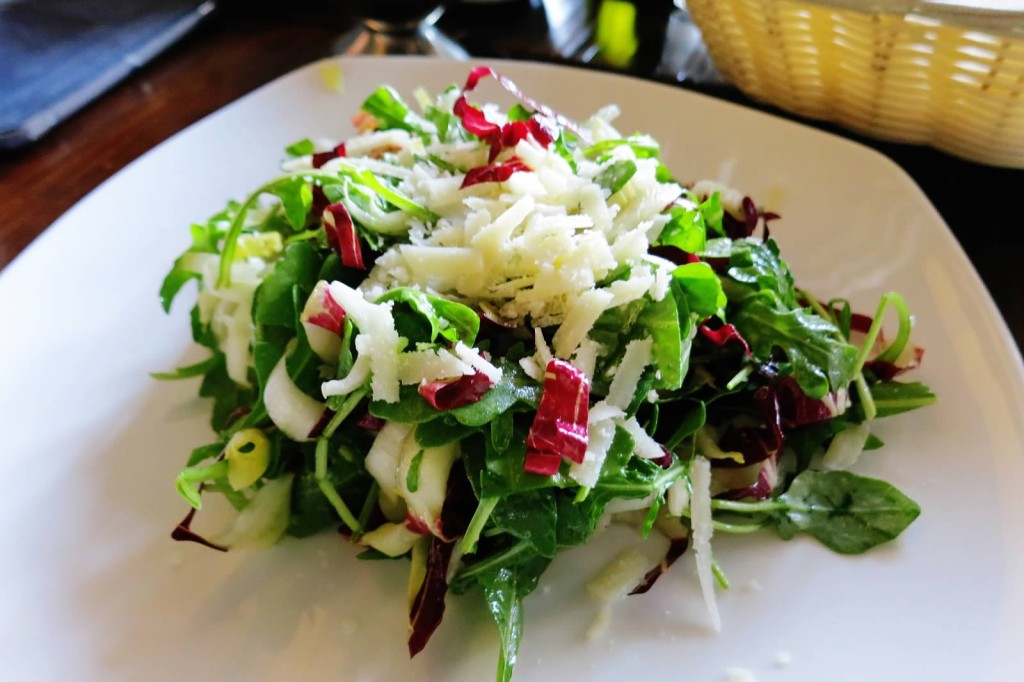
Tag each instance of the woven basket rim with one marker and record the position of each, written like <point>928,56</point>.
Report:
<point>965,14</point>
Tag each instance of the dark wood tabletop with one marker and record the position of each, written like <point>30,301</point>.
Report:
<point>244,45</point>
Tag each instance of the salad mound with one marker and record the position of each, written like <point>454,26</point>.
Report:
<point>472,337</point>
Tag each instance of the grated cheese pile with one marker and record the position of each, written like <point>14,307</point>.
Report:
<point>534,247</point>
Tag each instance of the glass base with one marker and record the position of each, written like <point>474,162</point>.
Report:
<point>425,40</point>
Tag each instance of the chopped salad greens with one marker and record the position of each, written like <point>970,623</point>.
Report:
<point>472,337</point>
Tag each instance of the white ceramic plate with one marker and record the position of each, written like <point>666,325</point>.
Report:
<point>94,589</point>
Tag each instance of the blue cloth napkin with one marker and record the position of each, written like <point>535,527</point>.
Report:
<point>58,55</point>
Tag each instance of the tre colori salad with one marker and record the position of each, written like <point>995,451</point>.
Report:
<point>471,337</point>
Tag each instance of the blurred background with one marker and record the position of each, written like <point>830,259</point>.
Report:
<point>57,55</point>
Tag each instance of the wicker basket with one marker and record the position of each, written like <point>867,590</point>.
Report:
<point>924,72</point>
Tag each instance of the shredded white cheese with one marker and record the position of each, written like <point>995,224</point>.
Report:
<point>645,447</point>
<point>377,338</point>
<point>600,434</point>
<point>678,497</point>
<point>634,361</point>
<point>700,517</point>
<point>543,352</point>
<point>430,365</point>
<point>472,357</point>
<point>535,246</point>
<point>739,675</point>
<point>532,369</point>
<point>355,378</point>
<point>581,317</point>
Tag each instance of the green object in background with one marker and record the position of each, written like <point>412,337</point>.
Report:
<point>616,31</point>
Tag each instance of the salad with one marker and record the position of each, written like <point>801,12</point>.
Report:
<point>470,337</point>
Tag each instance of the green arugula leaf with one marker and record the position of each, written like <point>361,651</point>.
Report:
<point>447,129</point>
<point>757,265</point>
<point>202,333</point>
<point>811,439</point>
<point>564,145</point>
<point>448,319</point>
<point>614,177</point>
<point>177,278</point>
<point>438,432</point>
<point>818,359</point>
<point>296,197</point>
<point>847,513</point>
<point>685,230</point>
<point>501,555</point>
<point>227,395</point>
<point>504,589</point>
<point>204,240</point>
<point>266,355</point>
<point>613,330</point>
<point>701,287</point>
<point>204,452</point>
<point>643,148</point>
<point>894,397</point>
<point>499,473</point>
<point>529,516</point>
<point>517,112</point>
<point>303,147</point>
<point>410,408</point>
<point>391,111</point>
<point>577,520</point>
<point>188,371</point>
<point>514,388</point>
<point>506,608</point>
<point>274,301</point>
<point>691,420</point>
<point>629,477</point>
<point>296,194</point>
<point>669,328</point>
<point>393,196</point>
<point>712,212</point>
<point>502,429</point>
<point>412,478</point>
<point>311,511</point>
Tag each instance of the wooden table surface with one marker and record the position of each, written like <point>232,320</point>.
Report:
<point>245,45</point>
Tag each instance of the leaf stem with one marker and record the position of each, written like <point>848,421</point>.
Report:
<point>495,560</point>
<point>748,507</point>
<point>720,577</point>
<point>205,473</point>
<point>738,528</point>
<point>477,523</point>
<point>902,335</point>
<point>353,399</point>
<point>395,198</point>
<point>657,486</point>
<point>867,400</point>
<point>368,505</point>
<point>302,236</point>
<point>186,372</point>
<point>327,488</point>
<point>237,499</point>
<point>227,255</point>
